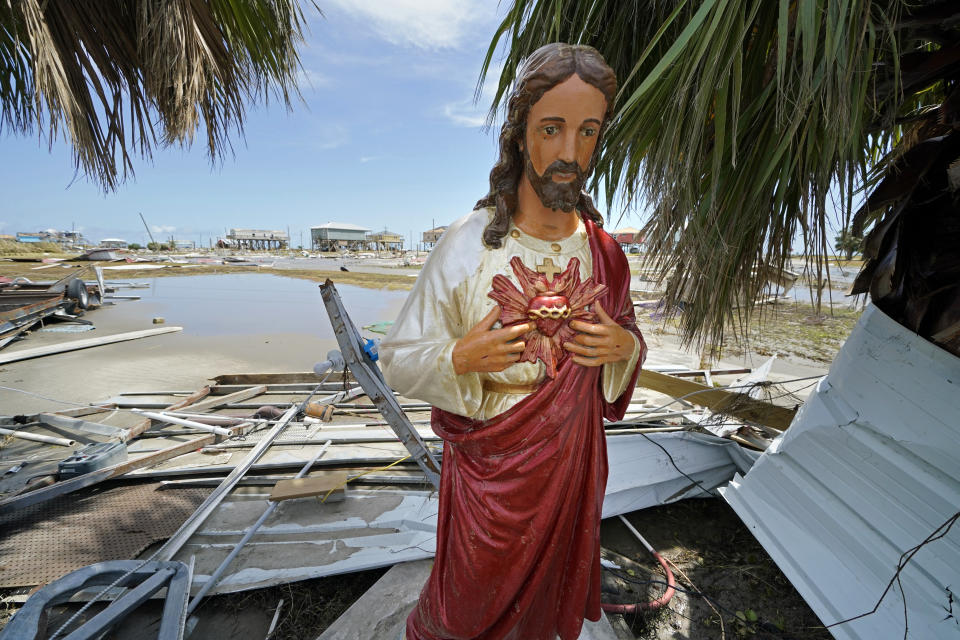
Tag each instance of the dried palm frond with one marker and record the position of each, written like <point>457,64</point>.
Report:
<point>745,124</point>
<point>108,72</point>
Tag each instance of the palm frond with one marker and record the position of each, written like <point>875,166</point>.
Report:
<point>119,77</point>
<point>739,121</point>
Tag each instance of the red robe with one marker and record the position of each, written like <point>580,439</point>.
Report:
<point>518,534</point>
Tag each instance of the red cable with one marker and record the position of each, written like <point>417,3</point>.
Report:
<point>653,604</point>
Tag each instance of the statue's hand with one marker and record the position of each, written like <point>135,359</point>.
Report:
<point>597,344</point>
<point>487,349</point>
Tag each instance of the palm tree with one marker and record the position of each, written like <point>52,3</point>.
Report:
<point>744,124</point>
<point>119,77</point>
<point>848,243</point>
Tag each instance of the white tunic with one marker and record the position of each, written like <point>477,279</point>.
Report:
<point>450,297</point>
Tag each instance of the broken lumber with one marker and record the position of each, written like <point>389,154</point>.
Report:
<point>219,401</point>
<point>74,345</point>
<point>276,378</point>
<point>738,405</point>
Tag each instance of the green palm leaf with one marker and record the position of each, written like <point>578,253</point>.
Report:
<point>745,125</point>
<point>118,77</point>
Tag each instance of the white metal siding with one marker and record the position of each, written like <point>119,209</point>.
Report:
<point>869,468</point>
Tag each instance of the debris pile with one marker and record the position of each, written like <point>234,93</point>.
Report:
<point>265,479</point>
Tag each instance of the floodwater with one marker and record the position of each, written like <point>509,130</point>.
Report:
<point>252,303</point>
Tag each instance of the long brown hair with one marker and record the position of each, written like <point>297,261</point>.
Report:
<point>544,69</point>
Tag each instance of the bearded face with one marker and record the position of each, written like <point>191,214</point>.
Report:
<point>556,195</point>
<point>562,131</point>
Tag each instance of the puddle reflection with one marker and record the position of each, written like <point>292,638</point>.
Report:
<point>241,303</point>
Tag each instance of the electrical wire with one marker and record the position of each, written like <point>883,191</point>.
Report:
<point>722,388</point>
<point>758,625</point>
<point>674,463</point>
<point>344,483</point>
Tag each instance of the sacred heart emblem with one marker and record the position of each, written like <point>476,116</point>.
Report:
<point>551,305</point>
<point>549,312</point>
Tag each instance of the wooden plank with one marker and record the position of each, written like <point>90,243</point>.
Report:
<point>277,378</point>
<point>219,401</point>
<point>86,411</point>
<point>738,405</point>
<point>74,345</point>
<point>317,485</point>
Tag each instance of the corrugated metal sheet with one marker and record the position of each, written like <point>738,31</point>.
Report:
<point>868,470</point>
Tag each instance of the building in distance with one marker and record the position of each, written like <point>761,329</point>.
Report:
<point>66,239</point>
<point>257,239</point>
<point>113,243</point>
<point>629,238</point>
<point>432,237</point>
<point>386,240</point>
<point>335,236</point>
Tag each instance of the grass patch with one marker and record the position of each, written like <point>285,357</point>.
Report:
<point>28,249</point>
<point>794,330</point>
<point>797,330</point>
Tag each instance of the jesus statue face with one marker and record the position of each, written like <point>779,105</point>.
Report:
<point>563,128</point>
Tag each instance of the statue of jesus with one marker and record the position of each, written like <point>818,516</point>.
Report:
<point>521,333</point>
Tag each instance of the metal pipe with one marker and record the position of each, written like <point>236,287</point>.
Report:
<point>307,442</point>
<point>36,437</point>
<point>162,417</point>
<point>218,572</point>
<point>273,623</point>
<point>217,416</point>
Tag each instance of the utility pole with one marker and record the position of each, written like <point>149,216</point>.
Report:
<point>148,229</point>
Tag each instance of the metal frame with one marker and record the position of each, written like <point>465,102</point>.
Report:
<point>371,379</point>
<point>143,579</point>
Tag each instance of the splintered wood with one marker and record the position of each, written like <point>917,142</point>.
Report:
<point>738,405</point>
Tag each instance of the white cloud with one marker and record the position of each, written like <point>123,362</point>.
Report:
<point>309,79</point>
<point>331,137</point>
<point>162,228</point>
<point>471,113</point>
<point>366,159</point>
<point>426,24</point>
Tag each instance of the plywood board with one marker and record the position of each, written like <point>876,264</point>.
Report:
<point>318,485</point>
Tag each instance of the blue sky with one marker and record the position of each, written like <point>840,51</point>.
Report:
<point>388,135</point>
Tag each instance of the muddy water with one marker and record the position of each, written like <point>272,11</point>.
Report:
<point>246,304</point>
<point>232,323</point>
